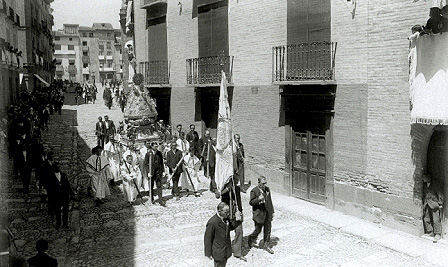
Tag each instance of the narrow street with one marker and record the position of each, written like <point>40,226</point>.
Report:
<point>115,234</point>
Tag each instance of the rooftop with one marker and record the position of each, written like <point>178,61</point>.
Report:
<point>85,28</point>
<point>102,26</point>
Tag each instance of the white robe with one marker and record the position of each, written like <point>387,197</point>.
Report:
<point>130,174</point>
<point>98,168</point>
<point>112,153</point>
<point>191,165</point>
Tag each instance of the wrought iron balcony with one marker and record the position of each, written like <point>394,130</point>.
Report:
<point>207,70</point>
<point>148,3</point>
<point>155,72</point>
<point>59,68</point>
<point>306,62</point>
<point>72,69</point>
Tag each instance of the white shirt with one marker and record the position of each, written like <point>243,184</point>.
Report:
<point>58,176</point>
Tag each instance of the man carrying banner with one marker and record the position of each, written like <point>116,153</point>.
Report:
<point>173,161</point>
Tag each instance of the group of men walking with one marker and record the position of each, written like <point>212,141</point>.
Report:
<point>229,217</point>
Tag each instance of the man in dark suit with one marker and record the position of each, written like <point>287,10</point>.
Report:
<point>173,157</point>
<point>109,129</point>
<point>193,139</point>
<point>99,132</point>
<point>60,191</point>
<point>154,168</point>
<point>432,204</point>
<point>240,164</point>
<point>233,192</point>
<point>208,157</point>
<point>22,160</point>
<point>176,134</point>
<point>263,213</point>
<point>217,245</point>
<point>42,259</point>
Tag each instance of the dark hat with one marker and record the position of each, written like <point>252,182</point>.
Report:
<point>42,245</point>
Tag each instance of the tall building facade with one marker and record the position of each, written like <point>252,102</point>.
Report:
<point>37,42</point>
<point>26,47</point>
<point>68,52</point>
<point>95,55</point>
<point>319,93</point>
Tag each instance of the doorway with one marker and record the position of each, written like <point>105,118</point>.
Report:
<point>309,158</point>
<point>437,166</point>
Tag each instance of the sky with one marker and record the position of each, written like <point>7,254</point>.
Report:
<point>86,12</point>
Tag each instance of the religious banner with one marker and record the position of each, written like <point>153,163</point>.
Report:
<point>225,145</point>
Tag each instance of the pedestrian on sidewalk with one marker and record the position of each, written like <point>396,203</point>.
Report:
<point>233,192</point>
<point>263,213</point>
<point>217,244</point>
<point>42,259</point>
<point>98,168</point>
<point>61,192</point>
<point>433,201</point>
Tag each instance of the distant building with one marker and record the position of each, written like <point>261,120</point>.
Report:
<point>68,53</point>
<point>97,55</point>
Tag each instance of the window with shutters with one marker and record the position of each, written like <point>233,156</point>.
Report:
<point>213,29</point>
<point>71,47</point>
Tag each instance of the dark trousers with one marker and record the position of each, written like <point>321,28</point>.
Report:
<point>57,206</point>
<point>175,190</point>
<point>432,221</point>
<point>238,241</point>
<point>100,140</point>
<point>25,175</point>
<point>212,178</point>
<point>267,225</point>
<point>158,183</point>
<point>220,263</point>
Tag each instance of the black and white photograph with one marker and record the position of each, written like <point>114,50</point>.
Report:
<point>195,133</point>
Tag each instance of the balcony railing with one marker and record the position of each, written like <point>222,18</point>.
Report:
<point>148,3</point>
<point>207,70</point>
<point>72,69</point>
<point>85,48</point>
<point>155,72</point>
<point>59,68</point>
<point>304,62</point>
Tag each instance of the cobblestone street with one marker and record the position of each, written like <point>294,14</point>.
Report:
<point>115,234</point>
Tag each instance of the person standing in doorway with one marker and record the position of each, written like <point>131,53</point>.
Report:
<point>433,201</point>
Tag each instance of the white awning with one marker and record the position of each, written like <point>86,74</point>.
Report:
<point>42,80</point>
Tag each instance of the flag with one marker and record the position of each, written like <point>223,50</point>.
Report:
<point>225,145</point>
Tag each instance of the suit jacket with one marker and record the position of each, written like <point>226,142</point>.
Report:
<point>100,128</point>
<point>217,239</point>
<point>176,134</point>
<point>204,143</point>
<point>433,195</point>
<point>60,191</point>
<point>153,164</point>
<point>172,159</point>
<point>261,211</point>
<point>111,129</point>
<point>42,260</point>
<point>193,139</point>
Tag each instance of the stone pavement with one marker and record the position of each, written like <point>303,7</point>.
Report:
<point>116,234</point>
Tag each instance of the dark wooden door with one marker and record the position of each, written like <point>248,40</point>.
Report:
<point>309,166</point>
<point>213,29</point>
<point>157,40</point>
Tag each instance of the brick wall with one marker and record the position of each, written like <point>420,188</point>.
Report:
<point>141,42</point>
<point>373,93</point>
<point>182,107</point>
<point>182,38</point>
<point>255,26</point>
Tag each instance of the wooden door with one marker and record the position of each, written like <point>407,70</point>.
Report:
<point>309,166</point>
<point>157,39</point>
<point>213,29</point>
